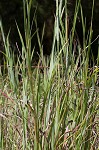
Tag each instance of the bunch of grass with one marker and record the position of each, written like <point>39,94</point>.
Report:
<point>54,105</point>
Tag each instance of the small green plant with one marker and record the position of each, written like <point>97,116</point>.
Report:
<point>54,106</point>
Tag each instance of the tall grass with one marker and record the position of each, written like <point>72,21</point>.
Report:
<point>53,106</point>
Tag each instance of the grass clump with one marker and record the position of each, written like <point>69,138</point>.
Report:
<point>54,105</point>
